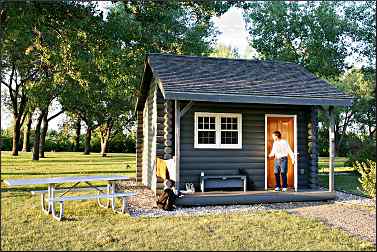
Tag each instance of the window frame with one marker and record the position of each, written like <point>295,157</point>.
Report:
<point>218,130</point>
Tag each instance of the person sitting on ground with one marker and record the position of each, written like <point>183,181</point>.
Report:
<point>167,199</point>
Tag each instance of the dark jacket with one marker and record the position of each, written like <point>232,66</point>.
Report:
<point>167,199</point>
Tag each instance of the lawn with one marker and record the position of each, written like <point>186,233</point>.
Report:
<point>346,178</point>
<point>323,165</point>
<point>25,227</point>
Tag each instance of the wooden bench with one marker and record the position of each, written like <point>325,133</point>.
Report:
<point>62,199</point>
<point>222,181</point>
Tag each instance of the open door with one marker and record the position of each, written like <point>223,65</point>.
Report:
<point>286,127</point>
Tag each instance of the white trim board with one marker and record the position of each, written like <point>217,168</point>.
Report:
<point>218,130</point>
<point>295,174</point>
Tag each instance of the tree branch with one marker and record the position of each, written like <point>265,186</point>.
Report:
<point>8,86</point>
<point>57,114</point>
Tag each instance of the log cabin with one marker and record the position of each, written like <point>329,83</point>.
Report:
<point>215,116</point>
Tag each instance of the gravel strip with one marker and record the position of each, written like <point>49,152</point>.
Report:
<point>348,212</point>
<point>357,221</point>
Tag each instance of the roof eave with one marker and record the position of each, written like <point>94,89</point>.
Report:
<point>171,95</point>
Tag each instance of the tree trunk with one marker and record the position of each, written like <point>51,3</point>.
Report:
<point>26,143</point>
<point>16,134</point>
<point>88,137</point>
<point>43,137</point>
<point>78,133</point>
<point>103,147</point>
<point>37,136</point>
<point>105,136</point>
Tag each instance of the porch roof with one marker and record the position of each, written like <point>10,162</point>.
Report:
<point>211,79</point>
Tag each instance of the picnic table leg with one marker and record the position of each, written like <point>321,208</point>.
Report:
<point>112,192</point>
<point>52,203</point>
<point>43,201</point>
<point>107,205</point>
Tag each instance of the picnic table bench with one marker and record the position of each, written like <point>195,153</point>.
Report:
<point>109,192</point>
<point>222,181</point>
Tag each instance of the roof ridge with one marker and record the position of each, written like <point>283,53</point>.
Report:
<point>227,59</point>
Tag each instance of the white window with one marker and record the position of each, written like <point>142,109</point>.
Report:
<point>218,130</point>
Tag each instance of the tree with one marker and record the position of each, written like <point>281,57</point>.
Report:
<point>308,33</point>
<point>26,131</point>
<point>362,29</point>
<point>17,70</point>
<point>360,117</point>
<point>54,49</point>
<point>319,36</point>
<point>224,51</point>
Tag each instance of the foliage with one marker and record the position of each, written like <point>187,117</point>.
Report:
<point>367,170</point>
<point>362,151</point>
<point>224,51</point>
<point>63,141</point>
<point>362,28</point>
<point>5,141</point>
<point>319,36</point>
<point>308,33</point>
<point>355,122</point>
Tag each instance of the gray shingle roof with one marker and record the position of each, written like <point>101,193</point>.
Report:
<point>248,81</point>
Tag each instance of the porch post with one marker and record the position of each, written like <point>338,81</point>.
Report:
<point>177,143</point>
<point>331,148</point>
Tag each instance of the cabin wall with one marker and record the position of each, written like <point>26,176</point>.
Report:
<point>252,155</point>
<point>149,137</point>
<point>139,146</point>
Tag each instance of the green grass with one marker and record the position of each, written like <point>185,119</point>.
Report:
<point>323,165</point>
<point>346,178</point>
<point>25,227</point>
<point>58,164</point>
<point>348,183</point>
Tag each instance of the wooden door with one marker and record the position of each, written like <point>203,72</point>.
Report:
<point>286,127</point>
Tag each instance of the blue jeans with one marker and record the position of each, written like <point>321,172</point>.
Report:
<point>281,166</point>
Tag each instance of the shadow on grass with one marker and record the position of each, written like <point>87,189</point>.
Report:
<point>353,173</point>
<point>69,172</point>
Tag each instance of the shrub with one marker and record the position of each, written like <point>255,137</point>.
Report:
<point>362,152</point>
<point>367,170</point>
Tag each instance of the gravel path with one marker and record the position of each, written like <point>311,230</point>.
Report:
<point>355,220</point>
<point>352,213</point>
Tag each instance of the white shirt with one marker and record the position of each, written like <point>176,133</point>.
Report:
<point>281,148</point>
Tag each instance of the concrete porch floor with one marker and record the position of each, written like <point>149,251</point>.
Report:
<point>252,197</point>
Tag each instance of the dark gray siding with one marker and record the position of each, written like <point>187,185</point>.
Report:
<point>251,156</point>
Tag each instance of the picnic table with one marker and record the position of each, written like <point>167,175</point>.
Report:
<point>53,187</point>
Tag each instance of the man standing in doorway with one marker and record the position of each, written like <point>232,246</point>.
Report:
<point>281,150</point>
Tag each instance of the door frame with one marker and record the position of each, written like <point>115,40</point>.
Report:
<point>294,116</point>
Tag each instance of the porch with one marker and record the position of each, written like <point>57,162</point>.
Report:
<point>253,197</point>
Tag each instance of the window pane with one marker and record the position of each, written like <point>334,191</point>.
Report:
<point>229,137</point>
<point>206,137</point>
<point>229,125</point>
<point>234,123</point>
<point>223,125</point>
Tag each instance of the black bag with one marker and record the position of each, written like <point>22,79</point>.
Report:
<point>166,200</point>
